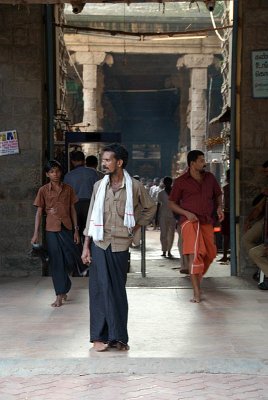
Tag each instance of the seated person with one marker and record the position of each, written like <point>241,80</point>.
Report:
<point>253,235</point>
<point>254,221</point>
<point>259,254</point>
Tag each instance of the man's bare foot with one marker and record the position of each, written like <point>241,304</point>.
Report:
<point>99,346</point>
<point>184,271</point>
<point>195,300</point>
<point>57,302</point>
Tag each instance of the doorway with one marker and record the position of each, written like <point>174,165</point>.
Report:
<point>140,102</point>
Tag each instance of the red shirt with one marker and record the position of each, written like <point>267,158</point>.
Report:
<point>60,202</point>
<point>196,197</point>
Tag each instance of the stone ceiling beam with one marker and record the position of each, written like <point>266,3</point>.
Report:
<point>106,43</point>
<point>14,2</point>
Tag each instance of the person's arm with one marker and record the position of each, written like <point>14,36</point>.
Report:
<point>74,221</point>
<point>86,255</point>
<point>181,211</point>
<point>217,191</point>
<point>90,209</point>
<point>255,213</point>
<point>219,208</point>
<point>157,214</point>
<point>174,199</point>
<point>148,206</point>
<point>37,224</point>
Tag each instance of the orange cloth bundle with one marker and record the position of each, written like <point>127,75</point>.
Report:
<point>198,239</point>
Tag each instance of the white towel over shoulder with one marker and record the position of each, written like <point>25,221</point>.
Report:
<point>96,221</point>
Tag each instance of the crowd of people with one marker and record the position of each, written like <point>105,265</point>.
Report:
<point>93,217</point>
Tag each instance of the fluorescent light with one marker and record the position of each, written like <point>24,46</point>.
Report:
<point>182,37</point>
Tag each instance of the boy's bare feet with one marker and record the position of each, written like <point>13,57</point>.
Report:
<point>58,301</point>
<point>99,346</point>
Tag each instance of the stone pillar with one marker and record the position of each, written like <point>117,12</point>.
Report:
<point>22,98</point>
<point>198,64</point>
<point>90,62</point>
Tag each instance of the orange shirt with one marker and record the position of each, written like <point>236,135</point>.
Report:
<point>56,205</point>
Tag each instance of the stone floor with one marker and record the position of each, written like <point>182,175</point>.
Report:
<point>217,349</point>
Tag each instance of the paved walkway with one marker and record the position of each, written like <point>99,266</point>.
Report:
<point>135,387</point>
<point>217,349</point>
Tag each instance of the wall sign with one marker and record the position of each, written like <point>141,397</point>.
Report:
<point>260,73</point>
<point>9,143</point>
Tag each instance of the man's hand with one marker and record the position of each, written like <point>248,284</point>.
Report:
<point>86,256</point>
<point>34,238</point>
<point>76,237</point>
<point>190,216</point>
<point>220,214</point>
<point>136,228</point>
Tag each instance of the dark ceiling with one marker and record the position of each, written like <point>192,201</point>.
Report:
<point>143,105</point>
<point>140,71</point>
<point>136,86</point>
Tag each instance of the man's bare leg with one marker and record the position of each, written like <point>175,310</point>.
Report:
<point>196,286</point>
<point>189,259</point>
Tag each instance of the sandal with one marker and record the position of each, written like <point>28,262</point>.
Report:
<point>122,346</point>
<point>118,345</point>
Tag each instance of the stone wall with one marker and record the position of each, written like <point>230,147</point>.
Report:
<point>254,112</point>
<point>21,108</point>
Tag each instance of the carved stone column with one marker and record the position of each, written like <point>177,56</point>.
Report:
<point>198,64</point>
<point>90,62</point>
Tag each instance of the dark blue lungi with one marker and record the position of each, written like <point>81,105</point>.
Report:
<point>64,255</point>
<point>107,294</point>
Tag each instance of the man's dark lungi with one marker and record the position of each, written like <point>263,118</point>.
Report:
<point>107,294</point>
